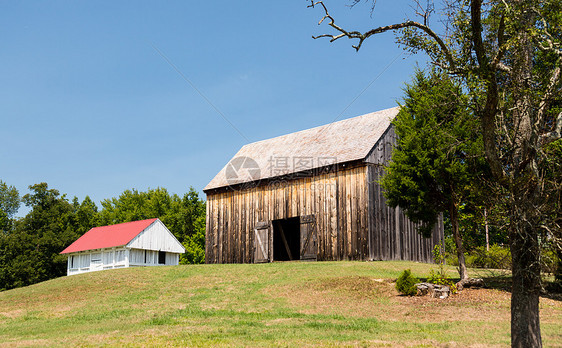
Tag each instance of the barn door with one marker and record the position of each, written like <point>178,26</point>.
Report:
<point>309,243</point>
<point>261,242</point>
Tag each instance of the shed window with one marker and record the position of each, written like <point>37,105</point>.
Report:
<point>162,257</point>
<point>72,261</point>
<point>108,258</point>
<point>96,258</point>
<point>84,261</point>
<point>120,256</point>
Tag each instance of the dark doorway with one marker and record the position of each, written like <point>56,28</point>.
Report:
<point>286,239</point>
<point>162,257</point>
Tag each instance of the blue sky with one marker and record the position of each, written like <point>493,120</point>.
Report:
<point>90,106</point>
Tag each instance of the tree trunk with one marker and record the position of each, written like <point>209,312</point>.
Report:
<point>486,228</point>
<point>525,325</point>
<point>454,212</point>
<point>524,234</point>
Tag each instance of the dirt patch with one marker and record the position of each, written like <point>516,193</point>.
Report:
<point>469,304</point>
<point>26,343</point>
<point>367,297</point>
<point>363,287</point>
<point>13,314</point>
<point>352,295</point>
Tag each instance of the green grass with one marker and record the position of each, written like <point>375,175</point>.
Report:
<point>279,304</point>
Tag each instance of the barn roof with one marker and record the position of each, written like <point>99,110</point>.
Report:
<point>343,141</point>
<point>109,236</point>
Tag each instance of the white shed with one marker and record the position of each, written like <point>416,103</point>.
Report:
<point>130,244</point>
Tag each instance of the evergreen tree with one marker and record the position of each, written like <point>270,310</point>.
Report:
<point>433,164</point>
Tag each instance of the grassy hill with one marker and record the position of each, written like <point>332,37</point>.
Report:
<point>279,304</point>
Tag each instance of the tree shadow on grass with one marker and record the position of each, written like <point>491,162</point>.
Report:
<point>501,280</point>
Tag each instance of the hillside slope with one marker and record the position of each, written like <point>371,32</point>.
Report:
<point>293,303</point>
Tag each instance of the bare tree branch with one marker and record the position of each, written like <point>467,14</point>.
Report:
<point>363,36</point>
<point>424,13</point>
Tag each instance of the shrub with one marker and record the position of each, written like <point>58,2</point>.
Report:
<point>497,257</point>
<point>441,279</point>
<point>452,260</point>
<point>405,284</point>
<point>194,249</point>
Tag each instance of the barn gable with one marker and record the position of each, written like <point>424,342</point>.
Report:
<point>156,237</point>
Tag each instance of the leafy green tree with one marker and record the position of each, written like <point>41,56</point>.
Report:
<point>30,252</point>
<point>4,221</point>
<point>184,217</point>
<point>435,159</point>
<point>195,244</point>
<point>85,215</point>
<point>9,205</point>
<point>134,205</point>
<point>191,227</point>
<point>507,53</point>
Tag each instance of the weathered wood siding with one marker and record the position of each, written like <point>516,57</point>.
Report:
<point>352,219</point>
<point>338,201</point>
<point>392,236</point>
<point>382,151</point>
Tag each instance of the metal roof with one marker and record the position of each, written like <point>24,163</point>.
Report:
<point>338,142</point>
<point>109,236</point>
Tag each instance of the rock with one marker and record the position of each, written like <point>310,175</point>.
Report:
<point>470,283</point>
<point>424,289</point>
<point>474,283</point>
<point>434,290</point>
<point>441,291</point>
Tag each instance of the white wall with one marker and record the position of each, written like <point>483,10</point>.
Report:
<point>157,237</point>
<point>97,260</point>
<point>100,259</point>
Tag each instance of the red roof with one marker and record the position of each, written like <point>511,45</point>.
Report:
<point>108,236</point>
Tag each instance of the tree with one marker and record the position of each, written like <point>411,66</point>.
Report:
<point>9,204</point>
<point>184,217</point>
<point>508,55</point>
<point>86,215</point>
<point>436,157</point>
<point>191,222</point>
<point>30,251</point>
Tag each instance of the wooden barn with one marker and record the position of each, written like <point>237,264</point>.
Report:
<point>312,195</point>
<point>130,244</point>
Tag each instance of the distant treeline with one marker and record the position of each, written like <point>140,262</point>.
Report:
<point>30,246</point>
